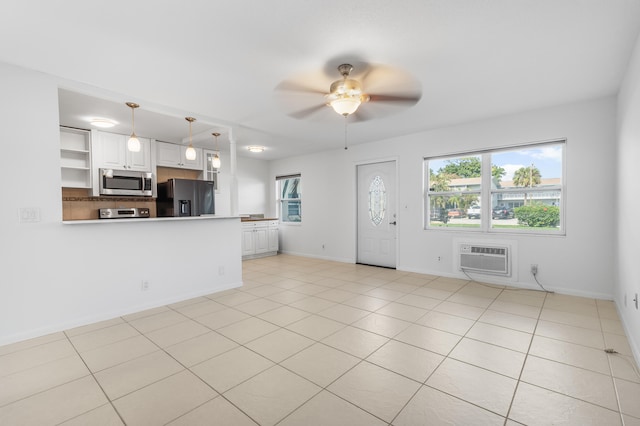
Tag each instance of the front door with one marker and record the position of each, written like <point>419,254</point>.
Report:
<point>377,214</point>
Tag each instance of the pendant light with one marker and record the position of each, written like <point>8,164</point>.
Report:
<point>215,160</point>
<point>133,144</point>
<point>190,153</point>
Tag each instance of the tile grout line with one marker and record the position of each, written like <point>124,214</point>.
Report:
<point>96,381</point>
<point>613,381</point>
<point>185,368</point>
<point>526,357</point>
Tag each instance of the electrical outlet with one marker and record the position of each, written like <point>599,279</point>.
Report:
<point>439,258</point>
<point>220,270</point>
<point>323,247</point>
<point>144,285</point>
<point>534,269</point>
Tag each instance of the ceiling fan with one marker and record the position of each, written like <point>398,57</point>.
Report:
<point>347,95</point>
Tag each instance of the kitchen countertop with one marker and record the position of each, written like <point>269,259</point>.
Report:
<point>148,219</point>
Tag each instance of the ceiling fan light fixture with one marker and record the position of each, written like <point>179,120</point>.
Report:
<point>345,105</point>
<point>345,95</point>
<point>133,144</point>
<point>255,148</point>
<point>190,154</point>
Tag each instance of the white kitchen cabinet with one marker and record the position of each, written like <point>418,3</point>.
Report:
<point>248,238</point>
<point>75,158</point>
<point>173,155</point>
<point>208,171</point>
<point>272,236</point>
<point>259,238</point>
<point>110,151</point>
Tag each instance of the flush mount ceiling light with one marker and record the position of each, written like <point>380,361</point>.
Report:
<point>103,123</point>
<point>255,148</point>
<point>190,153</point>
<point>133,144</point>
<point>215,160</point>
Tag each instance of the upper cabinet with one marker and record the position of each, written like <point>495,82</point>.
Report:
<point>208,171</point>
<point>173,155</point>
<point>75,158</point>
<point>110,151</point>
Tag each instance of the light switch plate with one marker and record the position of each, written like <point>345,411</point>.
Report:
<point>29,214</point>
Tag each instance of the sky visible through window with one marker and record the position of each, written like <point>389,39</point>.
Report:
<point>546,158</point>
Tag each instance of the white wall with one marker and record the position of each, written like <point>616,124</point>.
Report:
<point>628,230</point>
<point>252,176</point>
<point>56,276</point>
<point>579,263</point>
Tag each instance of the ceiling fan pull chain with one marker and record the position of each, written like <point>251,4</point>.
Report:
<point>345,132</point>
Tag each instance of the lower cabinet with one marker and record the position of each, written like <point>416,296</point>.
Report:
<point>259,238</point>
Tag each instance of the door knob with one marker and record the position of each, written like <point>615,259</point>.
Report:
<point>392,223</point>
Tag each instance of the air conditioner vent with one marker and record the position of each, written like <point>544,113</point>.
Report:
<point>483,259</point>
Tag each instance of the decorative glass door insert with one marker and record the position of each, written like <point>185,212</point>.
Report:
<point>377,200</point>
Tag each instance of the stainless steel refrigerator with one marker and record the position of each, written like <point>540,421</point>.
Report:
<point>185,197</point>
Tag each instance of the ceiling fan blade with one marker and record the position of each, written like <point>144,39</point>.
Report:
<point>307,111</point>
<point>409,99</point>
<point>291,86</point>
<point>360,115</point>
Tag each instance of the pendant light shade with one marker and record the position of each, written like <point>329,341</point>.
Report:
<point>133,144</point>
<point>215,160</point>
<point>190,153</point>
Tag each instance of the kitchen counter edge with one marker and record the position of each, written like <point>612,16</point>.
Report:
<point>148,219</point>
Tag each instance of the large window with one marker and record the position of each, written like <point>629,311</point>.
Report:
<point>289,199</point>
<point>518,189</point>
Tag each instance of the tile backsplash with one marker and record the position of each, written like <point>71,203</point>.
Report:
<point>79,204</point>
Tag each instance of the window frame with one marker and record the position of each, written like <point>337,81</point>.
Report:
<point>280,200</point>
<point>487,192</point>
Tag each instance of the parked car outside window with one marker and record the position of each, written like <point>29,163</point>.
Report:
<point>502,212</point>
<point>455,213</point>
<point>439,214</point>
<point>473,212</point>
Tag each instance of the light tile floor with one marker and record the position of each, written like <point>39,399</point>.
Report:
<point>313,342</point>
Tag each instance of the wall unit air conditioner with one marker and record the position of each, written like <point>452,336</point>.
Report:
<point>485,259</point>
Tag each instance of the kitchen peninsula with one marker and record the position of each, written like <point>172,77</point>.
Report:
<point>75,270</point>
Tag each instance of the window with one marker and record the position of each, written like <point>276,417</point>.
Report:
<point>289,200</point>
<point>518,189</point>
<point>455,185</point>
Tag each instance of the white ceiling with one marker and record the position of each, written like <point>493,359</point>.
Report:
<point>221,61</point>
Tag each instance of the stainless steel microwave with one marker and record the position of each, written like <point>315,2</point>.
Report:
<point>126,182</point>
